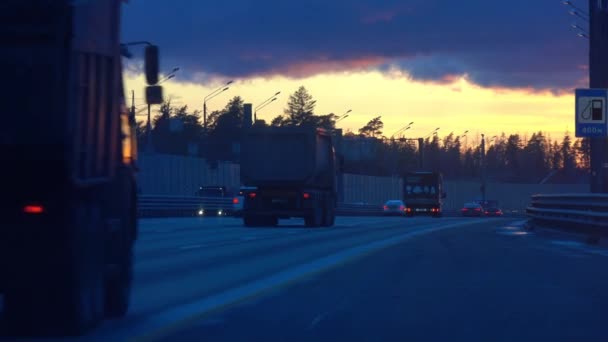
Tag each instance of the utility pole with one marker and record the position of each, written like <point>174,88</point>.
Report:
<point>205,117</point>
<point>598,78</point>
<point>421,153</point>
<point>149,147</point>
<point>483,168</point>
<point>133,103</point>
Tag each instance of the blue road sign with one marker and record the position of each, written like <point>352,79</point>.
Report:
<point>591,110</point>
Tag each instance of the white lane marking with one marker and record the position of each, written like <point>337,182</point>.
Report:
<point>580,247</point>
<point>513,233</point>
<point>317,320</point>
<point>161,324</point>
<point>190,247</point>
<point>519,223</point>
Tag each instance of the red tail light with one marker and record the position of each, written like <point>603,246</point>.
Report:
<point>401,207</point>
<point>252,195</point>
<point>33,209</point>
<point>306,195</point>
<point>487,212</point>
<point>477,209</point>
<point>235,200</point>
<point>409,210</point>
<point>464,209</point>
<point>385,207</point>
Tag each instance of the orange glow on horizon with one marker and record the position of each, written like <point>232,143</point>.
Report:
<point>454,104</point>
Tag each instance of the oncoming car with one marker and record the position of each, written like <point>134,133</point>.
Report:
<point>215,201</point>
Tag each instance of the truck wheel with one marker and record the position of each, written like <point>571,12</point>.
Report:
<point>315,218</point>
<point>62,295</point>
<point>332,217</point>
<point>329,217</point>
<point>119,275</point>
<point>273,221</point>
<point>251,221</point>
<point>118,288</point>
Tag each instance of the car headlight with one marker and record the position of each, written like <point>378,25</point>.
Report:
<point>201,212</point>
<point>221,212</point>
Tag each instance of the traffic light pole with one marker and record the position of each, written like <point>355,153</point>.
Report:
<point>598,78</point>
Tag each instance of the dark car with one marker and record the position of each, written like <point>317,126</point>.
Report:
<point>472,209</point>
<point>394,207</point>
<point>493,212</point>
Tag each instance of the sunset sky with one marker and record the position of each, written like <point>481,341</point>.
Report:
<point>477,65</point>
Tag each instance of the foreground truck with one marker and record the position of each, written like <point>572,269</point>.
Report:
<point>293,173</point>
<point>423,193</point>
<point>67,143</point>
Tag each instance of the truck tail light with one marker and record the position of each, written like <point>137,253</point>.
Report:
<point>33,209</point>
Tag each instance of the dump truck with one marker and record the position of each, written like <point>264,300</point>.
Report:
<point>293,173</point>
<point>69,156</point>
<point>423,193</point>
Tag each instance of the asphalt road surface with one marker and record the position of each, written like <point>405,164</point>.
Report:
<point>366,279</point>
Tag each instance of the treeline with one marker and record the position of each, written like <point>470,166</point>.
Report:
<point>508,158</point>
<point>512,158</point>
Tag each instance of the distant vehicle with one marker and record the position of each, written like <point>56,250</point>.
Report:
<point>239,199</point>
<point>294,171</point>
<point>423,193</point>
<point>472,209</point>
<point>394,207</point>
<point>493,212</point>
<point>69,184</point>
<point>487,203</point>
<point>215,201</point>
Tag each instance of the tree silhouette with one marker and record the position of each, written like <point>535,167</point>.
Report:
<point>300,108</point>
<point>373,128</point>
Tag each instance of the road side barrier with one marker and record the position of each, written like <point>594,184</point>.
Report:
<point>578,212</point>
<point>175,206</point>
<point>179,206</point>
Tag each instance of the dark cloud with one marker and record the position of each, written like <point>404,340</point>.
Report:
<point>516,43</point>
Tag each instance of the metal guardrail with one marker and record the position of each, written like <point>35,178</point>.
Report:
<point>585,212</point>
<point>165,206</point>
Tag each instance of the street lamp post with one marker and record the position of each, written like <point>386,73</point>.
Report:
<point>466,139</point>
<point>343,115</point>
<point>403,129</point>
<point>264,104</point>
<point>213,94</point>
<point>433,132</point>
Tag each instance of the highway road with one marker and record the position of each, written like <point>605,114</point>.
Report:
<point>367,278</point>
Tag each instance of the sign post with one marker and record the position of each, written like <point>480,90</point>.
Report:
<point>591,112</point>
